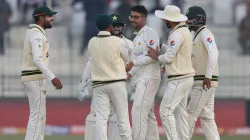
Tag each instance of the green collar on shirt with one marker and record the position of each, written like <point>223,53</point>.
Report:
<point>196,33</point>
<point>103,34</point>
<point>176,27</point>
<point>38,27</point>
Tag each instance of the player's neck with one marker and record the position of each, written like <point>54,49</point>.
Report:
<point>197,29</point>
<point>39,24</point>
<point>138,29</point>
<point>174,24</point>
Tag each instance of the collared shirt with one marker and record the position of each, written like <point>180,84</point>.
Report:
<point>36,42</point>
<point>145,66</point>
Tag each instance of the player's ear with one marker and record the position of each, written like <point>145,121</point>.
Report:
<point>110,28</point>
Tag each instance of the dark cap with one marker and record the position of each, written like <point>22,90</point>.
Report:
<point>195,11</point>
<point>103,22</point>
<point>117,19</point>
<point>43,10</point>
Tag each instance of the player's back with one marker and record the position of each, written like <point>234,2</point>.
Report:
<point>107,63</point>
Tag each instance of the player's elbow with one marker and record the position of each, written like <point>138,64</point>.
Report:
<point>37,62</point>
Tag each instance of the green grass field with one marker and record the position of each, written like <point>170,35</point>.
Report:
<point>15,137</point>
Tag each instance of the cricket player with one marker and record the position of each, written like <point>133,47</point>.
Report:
<point>84,87</point>
<point>108,56</point>
<point>35,70</point>
<point>178,65</point>
<point>205,62</point>
<point>145,74</point>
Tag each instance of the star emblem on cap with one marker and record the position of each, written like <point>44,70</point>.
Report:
<point>114,17</point>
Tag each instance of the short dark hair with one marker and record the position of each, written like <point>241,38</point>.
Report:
<point>140,9</point>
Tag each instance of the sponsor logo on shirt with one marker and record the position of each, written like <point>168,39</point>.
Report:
<point>209,40</point>
<point>138,53</point>
<point>172,43</point>
<point>151,42</point>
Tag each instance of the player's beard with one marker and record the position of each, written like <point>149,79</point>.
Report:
<point>193,27</point>
<point>117,33</point>
<point>48,25</point>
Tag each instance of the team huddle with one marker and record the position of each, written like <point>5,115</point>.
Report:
<point>118,66</point>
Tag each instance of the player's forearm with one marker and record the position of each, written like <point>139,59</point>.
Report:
<point>133,71</point>
<point>87,72</point>
<point>163,49</point>
<point>44,69</point>
<point>145,60</point>
<point>212,63</point>
<point>167,58</point>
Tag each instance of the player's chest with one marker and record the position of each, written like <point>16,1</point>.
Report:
<point>140,47</point>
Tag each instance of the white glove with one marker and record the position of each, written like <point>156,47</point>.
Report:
<point>82,89</point>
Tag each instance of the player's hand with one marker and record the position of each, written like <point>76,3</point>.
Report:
<point>153,53</point>
<point>57,83</point>
<point>128,75</point>
<point>206,83</point>
<point>129,66</point>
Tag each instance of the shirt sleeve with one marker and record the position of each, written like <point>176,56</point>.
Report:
<point>36,44</point>
<point>134,69</point>
<point>124,52</point>
<point>87,71</point>
<point>152,40</point>
<point>163,48</point>
<point>173,46</point>
<point>213,54</point>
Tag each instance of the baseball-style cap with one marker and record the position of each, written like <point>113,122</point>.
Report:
<point>43,10</point>
<point>195,11</point>
<point>117,19</point>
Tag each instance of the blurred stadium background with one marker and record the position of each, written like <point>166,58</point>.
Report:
<point>75,23</point>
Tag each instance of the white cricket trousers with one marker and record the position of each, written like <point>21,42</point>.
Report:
<point>201,105</point>
<point>106,95</point>
<point>173,110</point>
<point>90,127</point>
<point>36,93</point>
<point>144,124</point>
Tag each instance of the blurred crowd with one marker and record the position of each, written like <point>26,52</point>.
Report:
<point>84,13</point>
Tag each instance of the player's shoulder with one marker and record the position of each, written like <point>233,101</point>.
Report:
<point>206,33</point>
<point>115,38</point>
<point>150,30</point>
<point>36,35</point>
<point>177,35</point>
<point>128,40</point>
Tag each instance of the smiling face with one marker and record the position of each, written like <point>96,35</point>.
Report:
<point>137,20</point>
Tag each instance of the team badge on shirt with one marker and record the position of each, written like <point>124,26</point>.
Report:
<point>151,42</point>
<point>139,44</point>
<point>209,40</point>
<point>172,43</point>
